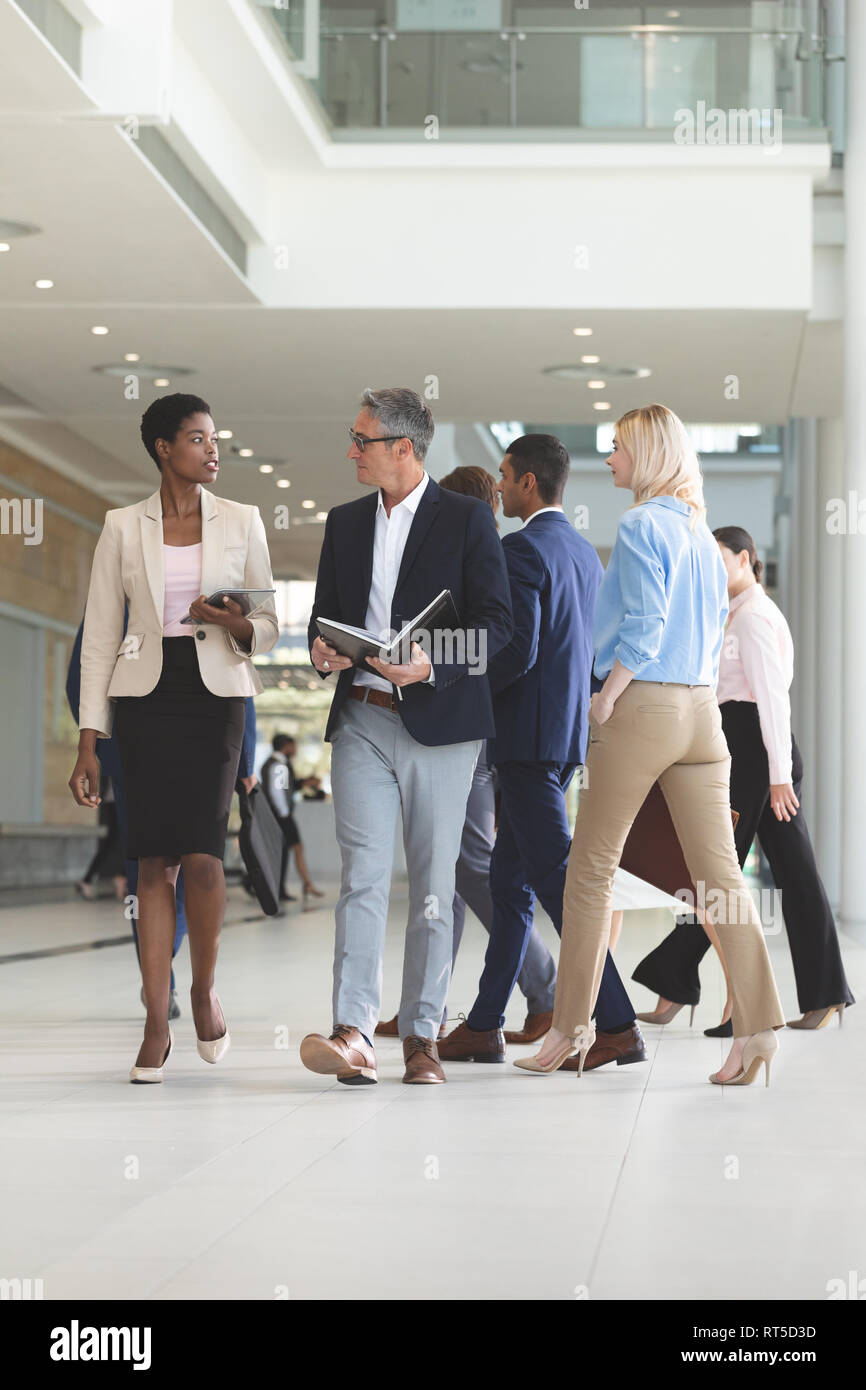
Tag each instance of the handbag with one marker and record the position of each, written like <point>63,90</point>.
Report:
<point>652,851</point>
<point>260,841</point>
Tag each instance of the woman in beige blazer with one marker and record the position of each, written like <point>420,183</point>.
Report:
<point>177,693</point>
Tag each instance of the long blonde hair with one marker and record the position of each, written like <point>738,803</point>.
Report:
<point>664,460</point>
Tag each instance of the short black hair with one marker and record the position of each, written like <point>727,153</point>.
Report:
<point>280,740</point>
<point>547,458</point>
<point>164,417</point>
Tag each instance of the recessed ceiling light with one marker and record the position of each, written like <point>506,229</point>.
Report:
<point>148,370</point>
<point>749,431</point>
<point>246,453</point>
<point>266,468</point>
<point>321,516</point>
<point>44,284</point>
<point>132,357</point>
<point>596,385</point>
<point>283,482</point>
<point>590,357</point>
<point>580,371</point>
<point>99,329</point>
<point>673,14</point>
<point>601,405</point>
<point>161,381</point>
<point>224,434</point>
<point>582,332</point>
<point>308,503</point>
<point>4,246</point>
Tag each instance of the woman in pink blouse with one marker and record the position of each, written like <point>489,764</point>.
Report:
<point>755,673</point>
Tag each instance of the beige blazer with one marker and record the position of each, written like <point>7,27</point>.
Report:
<point>128,567</point>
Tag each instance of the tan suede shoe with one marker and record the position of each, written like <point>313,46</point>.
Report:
<point>345,1054</point>
<point>535,1027</point>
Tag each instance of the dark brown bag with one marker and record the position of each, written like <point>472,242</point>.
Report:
<point>652,851</point>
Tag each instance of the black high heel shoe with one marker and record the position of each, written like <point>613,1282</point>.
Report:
<point>724,1030</point>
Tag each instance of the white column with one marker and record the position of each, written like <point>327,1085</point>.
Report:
<point>825,773</point>
<point>853,545</point>
<point>805,562</point>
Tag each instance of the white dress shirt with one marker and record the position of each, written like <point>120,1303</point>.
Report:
<point>757,665</point>
<point>551,508</point>
<point>389,542</point>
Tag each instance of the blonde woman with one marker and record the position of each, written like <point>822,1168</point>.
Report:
<point>658,635</point>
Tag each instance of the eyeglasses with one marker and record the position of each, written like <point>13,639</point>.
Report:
<point>361,440</point>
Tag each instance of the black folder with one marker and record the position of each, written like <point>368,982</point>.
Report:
<point>357,643</point>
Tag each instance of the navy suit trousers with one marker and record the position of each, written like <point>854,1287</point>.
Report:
<point>530,861</point>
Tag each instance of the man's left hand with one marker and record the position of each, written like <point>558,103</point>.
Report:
<point>417,669</point>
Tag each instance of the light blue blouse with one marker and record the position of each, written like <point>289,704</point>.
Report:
<point>663,601</point>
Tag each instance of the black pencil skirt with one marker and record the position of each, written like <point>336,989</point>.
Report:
<point>179,751</point>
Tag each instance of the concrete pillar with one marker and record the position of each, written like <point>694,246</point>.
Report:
<point>825,773</point>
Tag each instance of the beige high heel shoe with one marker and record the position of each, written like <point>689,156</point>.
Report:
<point>142,1075</point>
<point>818,1018</point>
<point>760,1047</point>
<point>668,1015</point>
<point>580,1043</point>
<point>213,1051</point>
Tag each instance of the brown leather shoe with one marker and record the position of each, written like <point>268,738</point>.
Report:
<point>389,1029</point>
<point>345,1054</point>
<point>535,1027</point>
<point>422,1062</point>
<point>621,1048</point>
<point>467,1044</point>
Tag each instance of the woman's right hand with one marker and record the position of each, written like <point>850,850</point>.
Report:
<point>84,782</point>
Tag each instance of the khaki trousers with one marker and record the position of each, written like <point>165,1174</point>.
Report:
<point>671,734</point>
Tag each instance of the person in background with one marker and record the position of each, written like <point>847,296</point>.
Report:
<point>756,669</point>
<point>540,682</point>
<point>107,861</point>
<point>537,978</point>
<point>280,784</point>
<point>657,635</point>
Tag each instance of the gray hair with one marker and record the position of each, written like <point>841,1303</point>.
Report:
<point>401,411</point>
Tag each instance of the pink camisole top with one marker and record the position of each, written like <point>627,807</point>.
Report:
<point>182,587</point>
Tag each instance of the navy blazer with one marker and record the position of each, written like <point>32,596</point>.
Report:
<point>452,544</point>
<point>541,679</point>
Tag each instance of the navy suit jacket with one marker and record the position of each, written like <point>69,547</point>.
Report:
<point>541,679</point>
<point>452,544</point>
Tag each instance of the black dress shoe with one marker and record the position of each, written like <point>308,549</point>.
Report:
<point>724,1030</point>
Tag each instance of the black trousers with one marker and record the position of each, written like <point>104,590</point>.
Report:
<point>671,970</point>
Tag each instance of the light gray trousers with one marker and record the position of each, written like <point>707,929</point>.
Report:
<point>377,768</point>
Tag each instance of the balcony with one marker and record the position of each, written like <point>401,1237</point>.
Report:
<point>461,70</point>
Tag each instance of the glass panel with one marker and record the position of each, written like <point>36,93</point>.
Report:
<point>475,77</point>
<point>611,82</point>
<point>348,84</point>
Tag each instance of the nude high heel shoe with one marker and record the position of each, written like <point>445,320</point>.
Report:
<point>213,1051</point>
<point>760,1047</point>
<point>819,1018</point>
<point>581,1043</point>
<point>668,1015</point>
<point>141,1075</point>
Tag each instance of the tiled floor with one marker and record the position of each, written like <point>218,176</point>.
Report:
<point>256,1179</point>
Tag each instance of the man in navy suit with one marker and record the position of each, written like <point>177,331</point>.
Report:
<point>541,688</point>
<point>405,736</point>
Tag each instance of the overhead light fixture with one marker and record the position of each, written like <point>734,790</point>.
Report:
<point>283,482</point>
<point>266,468</point>
<point>590,357</point>
<point>582,332</point>
<point>596,385</point>
<point>321,516</point>
<point>601,405</point>
<point>10,231</point>
<point>44,284</point>
<point>4,246</point>
<point>308,503</point>
<point>224,434</point>
<point>749,431</point>
<point>149,370</point>
<point>582,371</point>
<point>245,453</point>
<point>673,14</point>
<point>99,329</point>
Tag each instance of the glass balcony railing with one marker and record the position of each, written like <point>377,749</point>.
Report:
<point>499,69</point>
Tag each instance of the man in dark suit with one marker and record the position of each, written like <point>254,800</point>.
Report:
<point>405,736</point>
<point>541,687</point>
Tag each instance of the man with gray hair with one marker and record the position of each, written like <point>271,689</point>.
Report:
<point>404,736</point>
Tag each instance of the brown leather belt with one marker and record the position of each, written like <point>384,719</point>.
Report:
<point>370,696</point>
